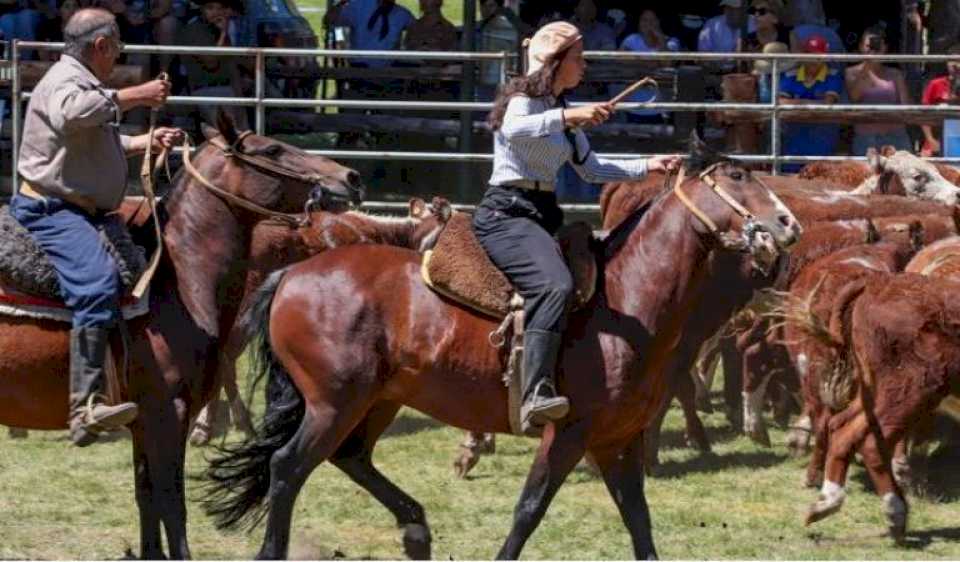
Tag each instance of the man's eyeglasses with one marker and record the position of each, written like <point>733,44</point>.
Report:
<point>759,11</point>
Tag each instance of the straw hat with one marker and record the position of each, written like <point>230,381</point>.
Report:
<point>549,41</point>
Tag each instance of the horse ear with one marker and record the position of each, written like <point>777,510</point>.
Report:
<point>442,209</point>
<point>888,150</point>
<point>417,208</point>
<point>227,126</point>
<point>209,132</point>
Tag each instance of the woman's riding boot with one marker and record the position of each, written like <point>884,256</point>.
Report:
<point>541,404</point>
<point>89,414</point>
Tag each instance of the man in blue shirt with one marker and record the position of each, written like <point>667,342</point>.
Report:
<point>721,33</point>
<point>375,25</point>
<point>812,82</point>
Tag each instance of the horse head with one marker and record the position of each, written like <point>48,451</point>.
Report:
<point>735,208</point>
<point>279,176</point>
<point>898,172</point>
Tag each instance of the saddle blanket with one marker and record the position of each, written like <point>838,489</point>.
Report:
<point>15,303</point>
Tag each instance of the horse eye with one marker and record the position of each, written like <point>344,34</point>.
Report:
<point>920,177</point>
<point>736,175</point>
<point>273,150</point>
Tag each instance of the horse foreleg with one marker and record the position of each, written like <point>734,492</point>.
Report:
<point>650,440</point>
<point>354,458</point>
<point>151,547</point>
<point>168,444</point>
<point>623,475</point>
<point>732,381</point>
<point>754,391</point>
<point>560,451</point>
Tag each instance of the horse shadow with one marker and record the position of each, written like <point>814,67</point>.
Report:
<point>677,438</point>
<point>712,462</point>
<point>921,539</point>
<point>942,484</point>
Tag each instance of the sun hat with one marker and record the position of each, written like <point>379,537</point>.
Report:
<point>548,42</point>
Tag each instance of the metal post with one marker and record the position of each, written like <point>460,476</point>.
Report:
<point>260,78</point>
<point>775,117</point>
<point>504,61</point>
<point>467,43</point>
<point>15,112</point>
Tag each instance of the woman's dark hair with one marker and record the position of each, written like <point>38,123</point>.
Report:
<point>875,31</point>
<point>536,85</point>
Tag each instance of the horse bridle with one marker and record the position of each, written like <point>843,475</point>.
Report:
<point>234,150</point>
<point>751,225</point>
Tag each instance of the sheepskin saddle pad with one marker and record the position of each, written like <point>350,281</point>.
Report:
<point>458,267</point>
<point>25,269</point>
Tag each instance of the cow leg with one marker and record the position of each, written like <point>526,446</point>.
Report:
<point>203,426</point>
<point>705,371</point>
<point>821,440</point>
<point>623,474</point>
<point>560,451</point>
<point>474,445</point>
<point>686,394</point>
<point>843,442</point>
<point>878,468</point>
<point>755,388</point>
<point>732,382</point>
<point>798,436</point>
<point>241,415</point>
<point>17,433</point>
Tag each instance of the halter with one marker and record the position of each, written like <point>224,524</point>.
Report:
<point>751,225</point>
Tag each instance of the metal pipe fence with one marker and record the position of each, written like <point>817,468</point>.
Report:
<point>773,109</point>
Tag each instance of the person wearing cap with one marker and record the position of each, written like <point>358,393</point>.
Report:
<point>535,135</point>
<point>73,165</point>
<point>872,82</point>
<point>723,33</point>
<point>811,82</point>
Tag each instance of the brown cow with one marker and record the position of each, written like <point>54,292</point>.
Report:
<point>901,333</point>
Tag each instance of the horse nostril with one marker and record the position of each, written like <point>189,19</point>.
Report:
<point>785,220</point>
<point>353,178</point>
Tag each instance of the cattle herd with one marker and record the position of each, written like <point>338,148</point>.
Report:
<point>859,332</point>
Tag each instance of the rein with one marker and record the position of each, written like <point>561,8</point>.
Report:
<point>289,219</point>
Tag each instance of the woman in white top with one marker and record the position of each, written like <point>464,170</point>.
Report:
<point>535,135</point>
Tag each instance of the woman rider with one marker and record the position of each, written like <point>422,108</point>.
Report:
<point>535,135</point>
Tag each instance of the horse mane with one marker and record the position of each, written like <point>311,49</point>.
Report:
<point>390,230</point>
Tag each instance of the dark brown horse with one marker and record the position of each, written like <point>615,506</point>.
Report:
<point>175,348</point>
<point>350,335</point>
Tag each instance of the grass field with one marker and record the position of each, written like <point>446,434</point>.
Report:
<point>741,502</point>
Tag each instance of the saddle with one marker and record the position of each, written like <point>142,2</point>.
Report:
<point>458,268</point>
<point>28,281</point>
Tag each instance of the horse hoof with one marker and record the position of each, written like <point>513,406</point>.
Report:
<point>488,445</point>
<point>416,541</point>
<point>465,463</point>
<point>698,443</point>
<point>814,480</point>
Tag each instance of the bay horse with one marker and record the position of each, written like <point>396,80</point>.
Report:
<point>350,335</point>
<point>174,349</point>
<point>273,246</point>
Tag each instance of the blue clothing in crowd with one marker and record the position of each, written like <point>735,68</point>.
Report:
<point>718,37</point>
<point>810,139</point>
<point>374,28</point>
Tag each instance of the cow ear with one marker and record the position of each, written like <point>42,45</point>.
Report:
<point>872,235</point>
<point>876,161</point>
<point>417,208</point>
<point>917,235</point>
<point>442,209</point>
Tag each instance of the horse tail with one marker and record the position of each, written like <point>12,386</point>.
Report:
<point>238,478</point>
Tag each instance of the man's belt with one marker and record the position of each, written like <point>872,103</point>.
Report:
<point>534,185</point>
<point>30,191</point>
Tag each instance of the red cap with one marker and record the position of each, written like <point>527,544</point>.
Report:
<point>815,44</point>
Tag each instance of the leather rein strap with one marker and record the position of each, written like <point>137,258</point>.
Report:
<point>291,220</point>
<point>722,193</point>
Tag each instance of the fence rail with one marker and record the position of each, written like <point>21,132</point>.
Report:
<point>773,109</point>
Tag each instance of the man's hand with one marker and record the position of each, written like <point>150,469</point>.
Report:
<point>587,115</point>
<point>668,163</point>
<point>151,94</point>
<point>166,137</point>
